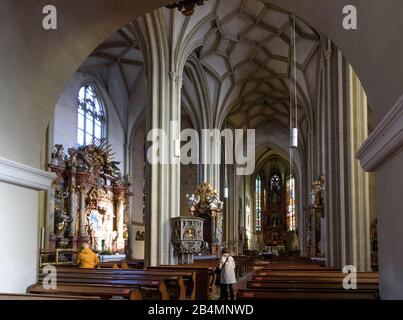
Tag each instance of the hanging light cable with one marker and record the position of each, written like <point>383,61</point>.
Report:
<point>294,126</point>
<point>226,189</point>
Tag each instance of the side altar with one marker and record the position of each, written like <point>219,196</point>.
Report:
<point>89,200</point>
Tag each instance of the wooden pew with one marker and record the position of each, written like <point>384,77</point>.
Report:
<point>296,267</point>
<point>244,264</point>
<point>46,297</point>
<point>183,280</point>
<point>312,273</point>
<point>174,284</point>
<point>298,278</point>
<point>204,277</point>
<point>323,278</point>
<point>142,287</point>
<point>301,294</point>
<point>104,292</point>
<point>255,284</point>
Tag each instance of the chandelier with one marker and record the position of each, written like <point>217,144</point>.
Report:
<point>187,7</point>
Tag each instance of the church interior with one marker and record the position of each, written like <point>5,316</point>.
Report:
<point>317,109</point>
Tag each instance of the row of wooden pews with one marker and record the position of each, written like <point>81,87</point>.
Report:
<point>244,264</point>
<point>151,284</point>
<point>130,281</point>
<point>305,280</point>
<point>39,297</point>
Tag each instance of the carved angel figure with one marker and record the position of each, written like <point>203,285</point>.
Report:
<point>73,161</point>
<point>58,152</point>
<point>192,200</point>
<point>214,202</point>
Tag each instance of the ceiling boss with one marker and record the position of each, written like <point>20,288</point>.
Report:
<point>187,7</point>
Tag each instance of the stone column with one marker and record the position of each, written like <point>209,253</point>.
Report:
<point>360,252</point>
<point>165,65</point>
<point>346,193</point>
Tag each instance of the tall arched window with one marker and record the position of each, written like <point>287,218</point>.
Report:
<point>258,203</point>
<point>91,116</point>
<point>291,204</point>
<point>275,183</point>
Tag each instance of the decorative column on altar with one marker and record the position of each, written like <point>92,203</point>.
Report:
<point>50,237</point>
<point>74,216</point>
<point>207,205</point>
<point>120,211</point>
<point>82,212</point>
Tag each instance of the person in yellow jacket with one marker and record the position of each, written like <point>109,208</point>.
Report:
<point>87,259</point>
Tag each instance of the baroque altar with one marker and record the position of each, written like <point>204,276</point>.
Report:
<point>207,206</point>
<point>89,200</point>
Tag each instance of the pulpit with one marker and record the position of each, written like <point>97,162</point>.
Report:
<point>187,238</point>
<point>207,205</point>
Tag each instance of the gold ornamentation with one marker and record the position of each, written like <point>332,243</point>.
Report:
<point>317,191</point>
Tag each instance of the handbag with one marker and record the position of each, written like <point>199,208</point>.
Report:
<point>218,273</point>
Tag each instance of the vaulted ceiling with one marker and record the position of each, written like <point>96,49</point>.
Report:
<point>244,55</point>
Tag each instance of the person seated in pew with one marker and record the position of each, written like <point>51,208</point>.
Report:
<point>227,275</point>
<point>87,259</point>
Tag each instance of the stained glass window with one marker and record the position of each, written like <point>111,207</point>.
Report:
<point>91,116</point>
<point>258,203</point>
<point>275,183</point>
<point>291,204</point>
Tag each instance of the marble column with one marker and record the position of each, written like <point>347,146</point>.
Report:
<point>120,210</point>
<point>83,237</point>
<point>74,216</point>
<point>50,237</point>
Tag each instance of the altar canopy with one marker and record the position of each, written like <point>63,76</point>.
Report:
<point>89,200</point>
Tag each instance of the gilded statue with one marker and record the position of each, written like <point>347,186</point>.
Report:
<point>208,197</point>
<point>317,191</point>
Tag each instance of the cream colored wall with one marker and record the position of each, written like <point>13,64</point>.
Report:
<point>19,238</point>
